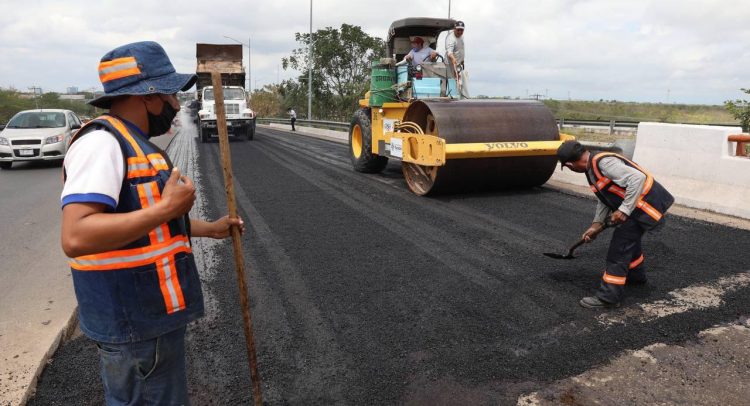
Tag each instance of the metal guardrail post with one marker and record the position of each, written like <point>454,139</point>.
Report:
<point>741,140</point>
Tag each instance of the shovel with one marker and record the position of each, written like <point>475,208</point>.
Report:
<point>580,242</point>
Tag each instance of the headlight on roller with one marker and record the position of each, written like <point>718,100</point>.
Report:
<point>4,141</point>
<point>54,139</point>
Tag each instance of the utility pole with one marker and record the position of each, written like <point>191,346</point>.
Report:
<point>36,90</point>
<point>249,83</point>
<point>249,76</point>
<point>309,68</point>
<point>449,8</point>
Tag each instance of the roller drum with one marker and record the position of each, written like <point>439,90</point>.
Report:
<point>479,121</point>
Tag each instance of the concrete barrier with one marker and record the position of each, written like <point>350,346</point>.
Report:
<point>697,165</point>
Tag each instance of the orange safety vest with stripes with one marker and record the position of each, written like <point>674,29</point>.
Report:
<point>652,204</point>
<point>151,286</point>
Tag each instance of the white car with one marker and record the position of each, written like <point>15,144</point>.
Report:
<point>37,135</point>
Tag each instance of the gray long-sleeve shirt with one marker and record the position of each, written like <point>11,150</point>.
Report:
<point>626,177</point>
<point>455,46</point>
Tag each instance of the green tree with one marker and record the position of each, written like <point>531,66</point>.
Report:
<point>740,109</point>
<point>341,68</point>
<point>268,102</point>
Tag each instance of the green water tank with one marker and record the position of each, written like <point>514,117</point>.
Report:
<point>382,81</point>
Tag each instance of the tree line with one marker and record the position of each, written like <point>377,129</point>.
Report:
<point>340,64</point>
<point>13,101</point>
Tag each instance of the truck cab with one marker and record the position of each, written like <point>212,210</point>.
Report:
<point>240,118</point>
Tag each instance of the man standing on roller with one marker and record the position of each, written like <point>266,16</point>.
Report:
<point>632,199</point>
<point>126,230</point>
<point>454,49</point>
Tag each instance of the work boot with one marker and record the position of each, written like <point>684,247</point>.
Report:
<point>593,302</point>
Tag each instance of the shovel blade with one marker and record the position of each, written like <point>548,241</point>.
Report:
<point>558,256</point>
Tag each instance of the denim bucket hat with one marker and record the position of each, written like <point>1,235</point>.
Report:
<point>139,68</point>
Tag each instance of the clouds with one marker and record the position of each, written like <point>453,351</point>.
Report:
<point>611,49</point>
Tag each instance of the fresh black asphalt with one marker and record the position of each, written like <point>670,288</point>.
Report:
<point>364,293</point>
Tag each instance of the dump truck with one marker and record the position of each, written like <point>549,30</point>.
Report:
<point>446,144</point>
<point>227,60</point>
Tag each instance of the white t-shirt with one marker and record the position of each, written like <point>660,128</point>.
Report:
<point>419,56</point>
<point>94,169</point>
<point>292,114</point>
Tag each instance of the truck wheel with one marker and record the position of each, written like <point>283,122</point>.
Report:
<point>6,165</point>
<point>204,135</point>
<point>360,144</point>
<point>250,133</point>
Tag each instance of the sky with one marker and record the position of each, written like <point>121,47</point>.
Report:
<point>667,51</point>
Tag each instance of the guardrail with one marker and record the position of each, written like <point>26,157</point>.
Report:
<point>562,122</point>
<point>328,125</point>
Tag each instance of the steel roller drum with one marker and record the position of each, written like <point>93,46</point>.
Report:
<point>479,121</point>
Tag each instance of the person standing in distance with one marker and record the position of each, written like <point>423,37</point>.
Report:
<point>126,230</point>
<point>292,117</point>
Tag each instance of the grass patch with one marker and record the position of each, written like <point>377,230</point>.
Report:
<point>630,111</point>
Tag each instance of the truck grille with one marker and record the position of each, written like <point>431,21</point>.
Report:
<point>233,108</point>
<point>25,142</point>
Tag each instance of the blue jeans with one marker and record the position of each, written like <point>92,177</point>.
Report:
<point>150,372</point>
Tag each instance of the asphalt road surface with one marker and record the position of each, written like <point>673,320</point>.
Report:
<point>363,293</point>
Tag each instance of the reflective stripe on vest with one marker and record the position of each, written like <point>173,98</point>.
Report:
<point>601,185</point>
<point>150,165</point>
<point>641,204</point>
<point>131,258</point>
<point>149,196</point>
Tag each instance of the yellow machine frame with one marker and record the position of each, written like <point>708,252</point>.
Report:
<point>428,150</point>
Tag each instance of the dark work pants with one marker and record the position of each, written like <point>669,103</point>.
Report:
<point>150,372</point>
<point>293,120</point>
<point>624,261</point>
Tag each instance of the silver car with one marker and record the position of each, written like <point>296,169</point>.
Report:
<point>37,135</point>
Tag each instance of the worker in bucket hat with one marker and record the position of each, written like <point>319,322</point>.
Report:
<point>127,232</point>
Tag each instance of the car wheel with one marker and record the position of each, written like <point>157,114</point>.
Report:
<point>6,165</point>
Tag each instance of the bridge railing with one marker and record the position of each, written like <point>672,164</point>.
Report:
<point>562,122</point>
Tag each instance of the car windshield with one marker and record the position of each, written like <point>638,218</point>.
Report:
<point>229,94</point>
<point>37,119</point>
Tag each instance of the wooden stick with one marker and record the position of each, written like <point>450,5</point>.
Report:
<point>239,259</point>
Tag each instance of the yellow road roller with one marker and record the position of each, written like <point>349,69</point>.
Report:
<point>446,144</point>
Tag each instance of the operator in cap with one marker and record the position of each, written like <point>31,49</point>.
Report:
<point>454,50</point>
<point>419,53</point>
<point>127,232</point>
<point>633,200</point>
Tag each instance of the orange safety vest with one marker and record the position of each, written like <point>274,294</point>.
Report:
<point>150,286</point>
<point>652,204</point>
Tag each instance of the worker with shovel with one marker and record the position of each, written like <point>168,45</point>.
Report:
<point>127,232</point>
<point>633,201</point>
